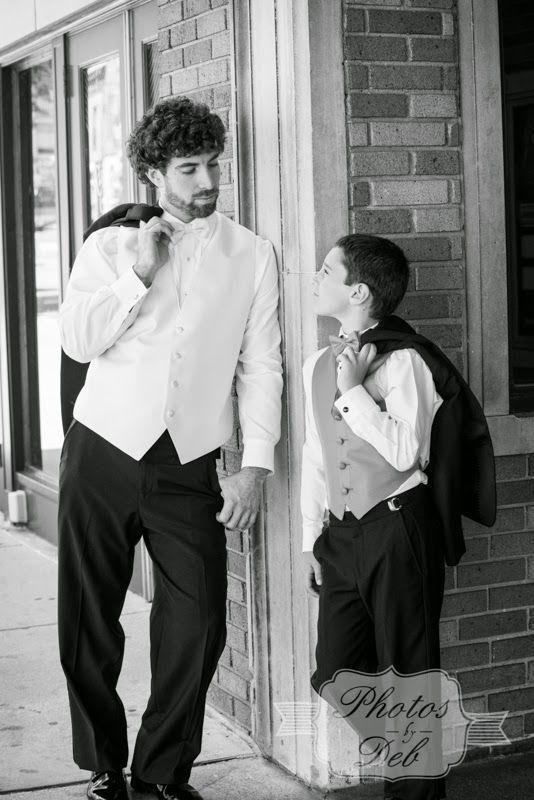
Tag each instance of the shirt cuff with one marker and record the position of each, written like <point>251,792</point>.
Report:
<point>354,403</point>
<point>258,453</point>
<point>129,289</point>
<point>310,532</point>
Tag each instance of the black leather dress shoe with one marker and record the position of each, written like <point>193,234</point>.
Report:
<point>166,791</point>
<point>107,786</point>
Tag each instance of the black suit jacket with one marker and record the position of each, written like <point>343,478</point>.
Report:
<point>461,469</point>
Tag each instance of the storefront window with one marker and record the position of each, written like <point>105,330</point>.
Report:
<point>46,269</point>
<point>103,136</point>
<point>518,105</point>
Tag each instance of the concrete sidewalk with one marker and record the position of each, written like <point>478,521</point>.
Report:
<point>35,747</point>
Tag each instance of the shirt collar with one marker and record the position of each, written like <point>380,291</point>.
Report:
<point>343,335</point>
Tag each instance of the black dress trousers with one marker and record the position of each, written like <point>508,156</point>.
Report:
<point>381,597</point>
<point>108,501</point>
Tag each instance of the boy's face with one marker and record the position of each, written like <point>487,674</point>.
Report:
<point>331,293</point>
<point>189,187</point>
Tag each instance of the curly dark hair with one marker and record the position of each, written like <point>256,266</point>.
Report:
<point>174,127</point>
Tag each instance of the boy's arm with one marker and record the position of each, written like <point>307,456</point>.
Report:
<point>411,400</point>
<point>313,501</point>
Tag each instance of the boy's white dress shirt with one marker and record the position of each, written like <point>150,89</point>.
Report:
<point>165,357</point>
<point>401,433</point>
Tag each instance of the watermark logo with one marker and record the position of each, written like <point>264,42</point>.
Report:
<point>389,725</point>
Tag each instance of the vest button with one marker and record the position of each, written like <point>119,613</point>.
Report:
<point>344,490</point>
<point>345,409</point>
<point>174,384</point>
<point>176,356</point>
<point>342,465</point>
<point>179,329</point>
<point>340,440</point>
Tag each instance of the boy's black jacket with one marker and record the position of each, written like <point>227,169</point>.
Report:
<point>461,470</point>
<point>72,372</point>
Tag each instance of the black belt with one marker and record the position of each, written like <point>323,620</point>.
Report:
<point>385,507</point>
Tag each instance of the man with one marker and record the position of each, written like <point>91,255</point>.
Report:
<point>167,315</point>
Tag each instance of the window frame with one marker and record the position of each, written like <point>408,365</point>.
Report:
<point>485,226</point>
<point>20,280</point>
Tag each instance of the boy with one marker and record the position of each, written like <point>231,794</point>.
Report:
<point>379,567</point>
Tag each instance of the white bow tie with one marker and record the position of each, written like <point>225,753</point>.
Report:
<point>198,227</point>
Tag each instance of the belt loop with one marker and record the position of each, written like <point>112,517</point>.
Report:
<point>394,504</point>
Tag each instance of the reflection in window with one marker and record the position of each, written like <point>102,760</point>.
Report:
<point>103,136</point>
<point>46,267</point>
<point>151,73</point>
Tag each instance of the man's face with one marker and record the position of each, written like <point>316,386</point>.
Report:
<point>190,185</point>
<point>331,293</point>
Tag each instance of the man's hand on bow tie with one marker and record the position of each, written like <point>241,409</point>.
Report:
<point>241,494</point>
<point>152,248</point>
<point>352,367</point>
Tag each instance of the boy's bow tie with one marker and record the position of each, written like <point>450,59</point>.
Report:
<point>339,344</point>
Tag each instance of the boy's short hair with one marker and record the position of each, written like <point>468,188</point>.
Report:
<point>381,265</point>
<point>174,127</point>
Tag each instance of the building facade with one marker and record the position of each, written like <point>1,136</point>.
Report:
<point>412,119</point>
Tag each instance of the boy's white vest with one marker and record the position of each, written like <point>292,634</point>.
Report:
<point>357,476</point>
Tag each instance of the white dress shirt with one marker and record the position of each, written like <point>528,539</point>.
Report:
<point>160,360</point>
<point>401,433</point>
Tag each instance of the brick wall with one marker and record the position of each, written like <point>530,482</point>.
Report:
<point>488,612</point>
<point>195,39</point>
<point>404,164</point>
<point>404,160</point>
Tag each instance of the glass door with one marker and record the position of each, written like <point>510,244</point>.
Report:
<point>99,115</point>
<point>40,274</point>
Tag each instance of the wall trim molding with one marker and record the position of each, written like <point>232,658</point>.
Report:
<point>484,204</point>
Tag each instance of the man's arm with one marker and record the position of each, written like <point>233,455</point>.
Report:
<point>99,304</point>
<point>259,389</point>
<point>313,500</point>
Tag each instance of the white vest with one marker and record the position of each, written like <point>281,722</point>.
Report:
<point>182,379</point>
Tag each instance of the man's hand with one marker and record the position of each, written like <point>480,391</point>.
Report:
<point>352,367</point>
<point>241,494</point>
<point>152,248</point>
<point>313,573</point>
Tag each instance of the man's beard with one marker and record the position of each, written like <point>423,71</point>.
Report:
<point>192,209</point>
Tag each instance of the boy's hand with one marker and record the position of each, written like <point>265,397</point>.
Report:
<point>241,494</point>
<point>313,572</point>
<point>352,367</point>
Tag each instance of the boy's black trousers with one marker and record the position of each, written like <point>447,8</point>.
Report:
<point>380,600</point>
<point>108,501</point>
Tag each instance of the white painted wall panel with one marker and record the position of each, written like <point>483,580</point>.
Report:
<point>17,19</point>
<point>20,18</point>
<point>48,11</point>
